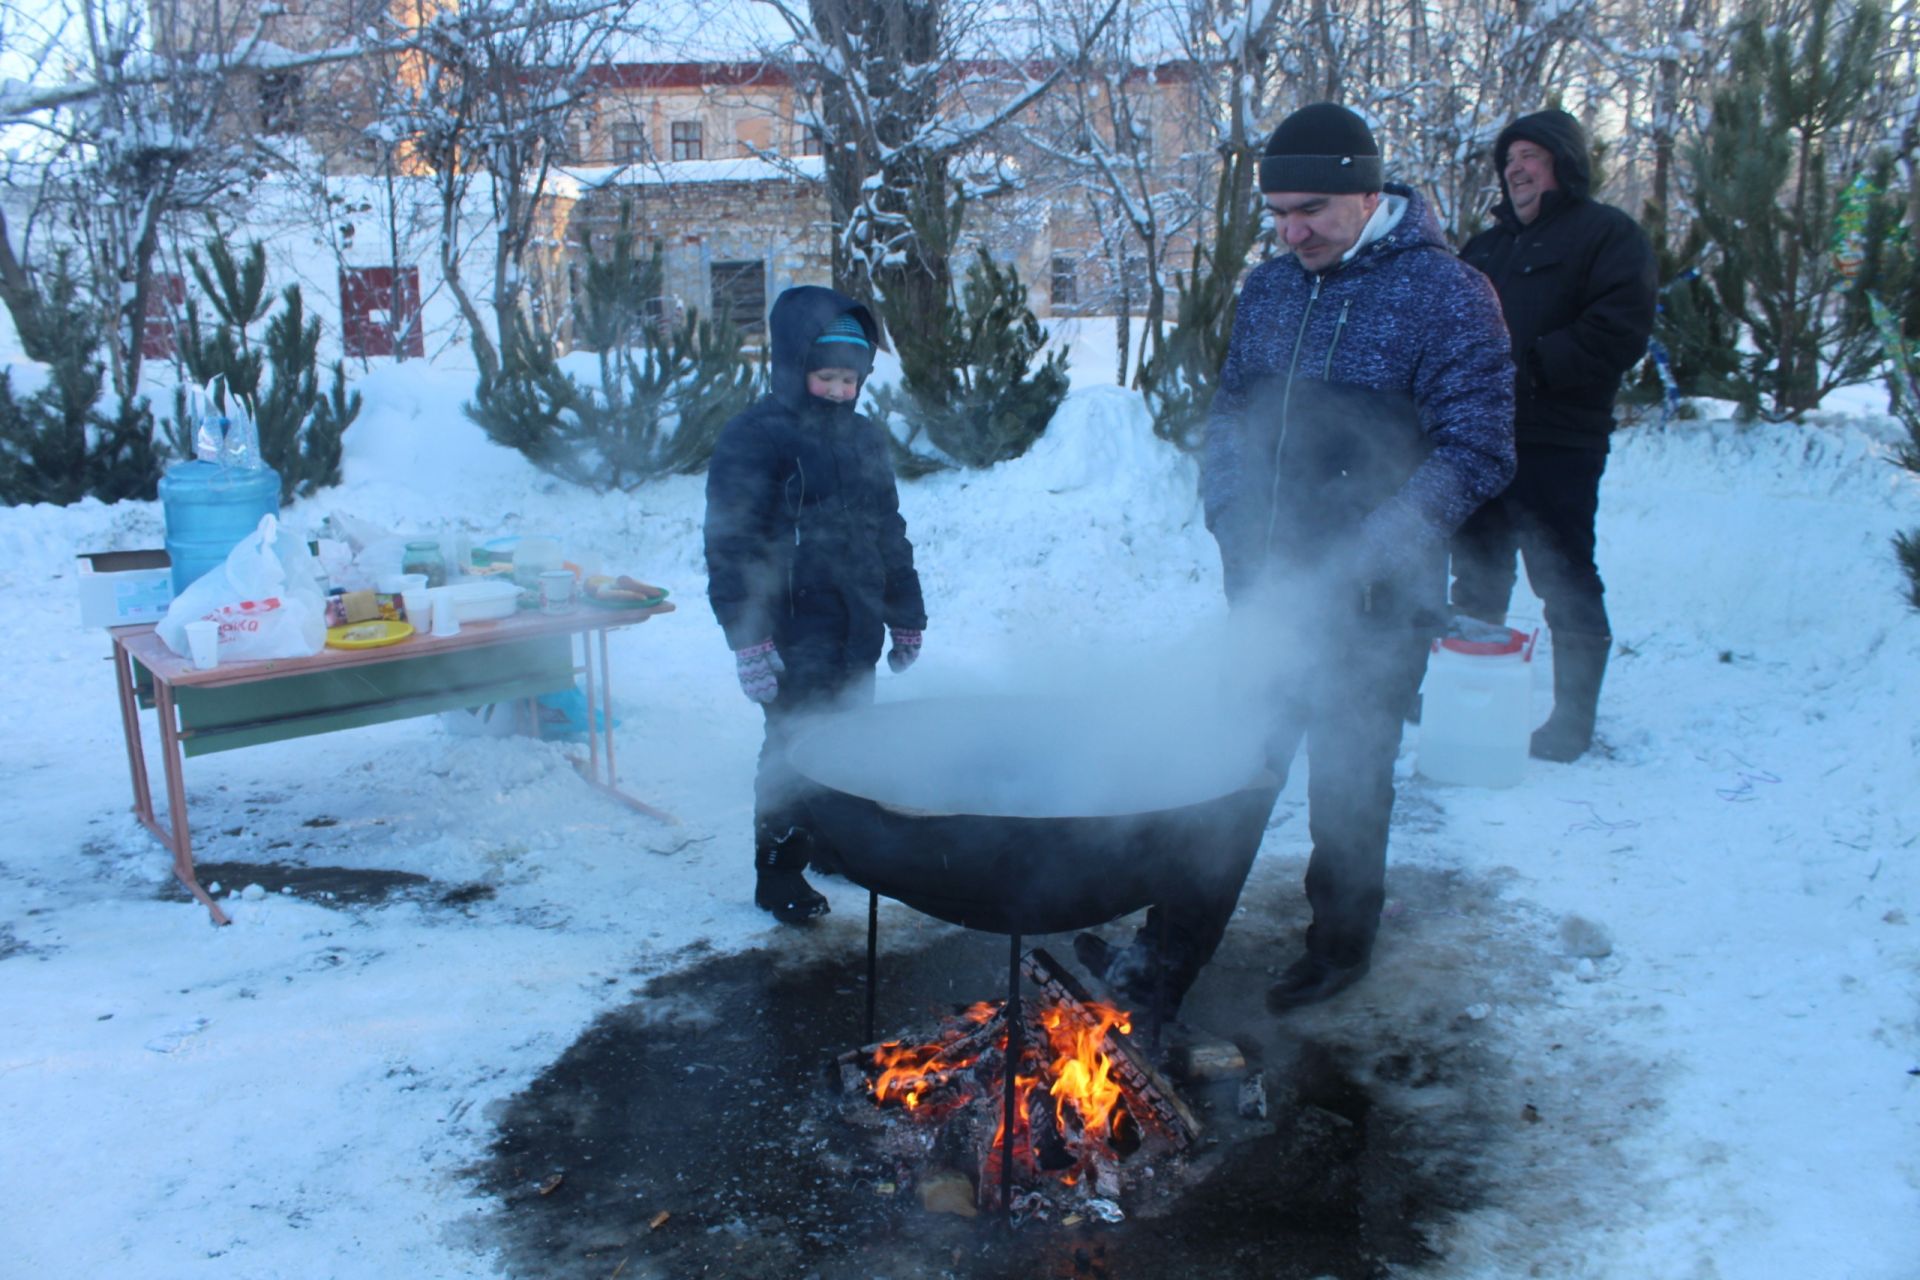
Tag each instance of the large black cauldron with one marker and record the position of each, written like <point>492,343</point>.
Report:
<point>1018,816</point>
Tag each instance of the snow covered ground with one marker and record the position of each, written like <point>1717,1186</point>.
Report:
<point>302,1094</point>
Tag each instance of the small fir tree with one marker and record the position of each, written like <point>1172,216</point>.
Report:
<point>1695,333</point>
<point>971,388</point>
<point>55,445</point>
<point>667,386</point>
<point>1903,396</point>
<point>300,427</point>
<point>1180,377</point>
<point>1764,191</point>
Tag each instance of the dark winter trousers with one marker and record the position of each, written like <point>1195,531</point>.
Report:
<point>812,683</point>
<point>1349,716</point>
<point>1547,514</point>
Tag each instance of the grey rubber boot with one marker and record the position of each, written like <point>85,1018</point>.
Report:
<point>1579,665</point>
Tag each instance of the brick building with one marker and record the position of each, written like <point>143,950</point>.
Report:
<point>713,163</point>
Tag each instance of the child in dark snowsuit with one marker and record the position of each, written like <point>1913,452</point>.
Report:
<point>808,563</point>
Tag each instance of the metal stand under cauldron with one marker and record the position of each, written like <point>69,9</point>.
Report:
<point>1016,1033</point>
<point>1012,869</point>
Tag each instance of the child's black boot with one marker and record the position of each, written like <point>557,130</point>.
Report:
<point>779,887</point>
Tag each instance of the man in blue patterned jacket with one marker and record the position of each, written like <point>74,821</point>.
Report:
<point>1364,411</point>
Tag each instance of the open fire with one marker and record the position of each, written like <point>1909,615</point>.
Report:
<point>1087,1107</point>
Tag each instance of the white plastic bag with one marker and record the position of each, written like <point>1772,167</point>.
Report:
<point>265,598</point>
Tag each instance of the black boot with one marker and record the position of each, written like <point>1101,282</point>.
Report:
<point>1579,664</point>
<point>1136,976</point>
<point>1311,979</point>
<point>779,887</point>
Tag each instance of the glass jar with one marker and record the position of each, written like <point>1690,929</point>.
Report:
<point>424,557</point>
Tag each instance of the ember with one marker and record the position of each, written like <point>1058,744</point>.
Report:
<point>1083,1101</point>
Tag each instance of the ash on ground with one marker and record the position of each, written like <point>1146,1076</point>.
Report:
<point>703,1128</point>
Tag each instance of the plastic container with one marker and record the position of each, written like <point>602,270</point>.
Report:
<point>1476,710</point>
<point>209,509</point>
<point>534,555</point>
<point>479,601</point>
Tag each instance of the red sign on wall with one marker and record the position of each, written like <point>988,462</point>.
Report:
<point>166,294</point>
<point>380,311</point>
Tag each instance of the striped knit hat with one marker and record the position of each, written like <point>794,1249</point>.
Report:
<point>842,345</point>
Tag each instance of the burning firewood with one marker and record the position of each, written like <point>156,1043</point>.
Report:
<point>1164,1108</point>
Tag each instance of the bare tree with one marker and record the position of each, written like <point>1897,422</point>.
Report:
<point>491,105</point>
<point>903,88</point>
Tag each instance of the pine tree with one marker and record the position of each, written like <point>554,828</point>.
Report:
<point>55,445</point>
<point>1180,377</point>
<point>1694,333</point>
<point>1903,396</point>
<point>666,386</point>
<point>300,428</point>
<point>970,387</point>
<point>1764,193</point>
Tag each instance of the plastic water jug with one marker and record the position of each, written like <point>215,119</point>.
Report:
<point>1476,709</point>
<point>208,509</point>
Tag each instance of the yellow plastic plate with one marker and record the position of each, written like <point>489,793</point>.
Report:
<point>368,635</point>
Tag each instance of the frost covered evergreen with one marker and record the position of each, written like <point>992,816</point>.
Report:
<point>666,386</point>
<point>969,387</point>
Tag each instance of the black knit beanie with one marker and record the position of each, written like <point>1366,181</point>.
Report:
<point>1323,148</point>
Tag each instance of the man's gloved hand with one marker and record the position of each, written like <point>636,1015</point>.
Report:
<point>759,668</point>
<point>906,647</point>
<point>1392,543</point>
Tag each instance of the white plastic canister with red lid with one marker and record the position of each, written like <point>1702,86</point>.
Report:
<point>1476,706</point>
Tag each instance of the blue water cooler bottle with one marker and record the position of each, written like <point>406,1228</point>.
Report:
<point>209,508</point>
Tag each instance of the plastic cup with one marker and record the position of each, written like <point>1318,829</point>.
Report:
<point>556,591</point>
<point>203,643</point>
<point>446,613</point>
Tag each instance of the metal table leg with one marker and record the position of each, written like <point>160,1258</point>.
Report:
<point>182,837</point>
<point>600,738</point>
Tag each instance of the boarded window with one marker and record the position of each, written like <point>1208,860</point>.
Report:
<point>813,143</point>
<point>686,140</point>
<point>280,102</point>
<point>1066,283</point>
<point>740,294</point>
<point>166,294</point>
<point>380,311</point>
<point>629,142</point>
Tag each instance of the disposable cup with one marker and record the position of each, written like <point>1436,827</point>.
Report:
<point>446,613</point>
<point>203,643</point>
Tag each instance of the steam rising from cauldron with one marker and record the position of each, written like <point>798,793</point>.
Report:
<point>1087,734</point>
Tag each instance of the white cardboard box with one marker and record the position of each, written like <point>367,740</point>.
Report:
<point>120,588</point>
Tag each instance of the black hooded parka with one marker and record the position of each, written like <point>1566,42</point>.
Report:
<point>804,539</point>
<point>1577,286</point>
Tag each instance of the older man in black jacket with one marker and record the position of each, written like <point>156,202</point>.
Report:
<point>1576,280</point>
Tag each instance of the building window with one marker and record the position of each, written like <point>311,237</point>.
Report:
<point>740,294</point>
<point>280,102</point>
<point>686,140</point>
<point>629,141</point>
<point>813,142</point>
<point>1066,283</point>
